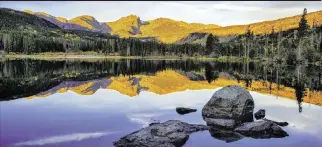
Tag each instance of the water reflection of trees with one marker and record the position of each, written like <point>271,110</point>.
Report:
<point>19,78</point>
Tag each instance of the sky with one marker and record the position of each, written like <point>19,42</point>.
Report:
<point>223,13</point>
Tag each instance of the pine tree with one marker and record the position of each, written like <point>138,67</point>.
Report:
<point>209,44</point>
<point>302,31</point>
<point>303,25</point>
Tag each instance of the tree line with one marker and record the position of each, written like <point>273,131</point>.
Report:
<point>291,46</point>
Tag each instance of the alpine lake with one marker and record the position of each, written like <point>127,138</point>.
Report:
<point>93,103</point>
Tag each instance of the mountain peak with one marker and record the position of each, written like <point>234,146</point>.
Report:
<point>88,17</point>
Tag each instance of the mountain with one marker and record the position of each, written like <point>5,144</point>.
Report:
<point>127,26</point>
<point>171,31</point>
<point>84,22</point>
<point>164,29</point>
<point>130,26</point>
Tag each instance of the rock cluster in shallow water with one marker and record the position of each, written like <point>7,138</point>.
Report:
<point>228,115</point>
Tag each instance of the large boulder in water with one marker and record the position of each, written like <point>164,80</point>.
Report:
<point>172,133</point>
<point>231,102</point>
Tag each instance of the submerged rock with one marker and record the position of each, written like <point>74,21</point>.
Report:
<point>261,129</point>
<point>260,114</point>
<point>283,124</point>
<point>182,110</point>
<point>231,102</point>
<point>172,133</point>
<point>225,135</point>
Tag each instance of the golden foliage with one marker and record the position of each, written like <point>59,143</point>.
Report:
<point>29,11</point>
<point>43,13</point>
<point>123,25</point>
<point>164,29</point>
<point>61,19</point>
<point>84,21</point>
<point>266,26</point>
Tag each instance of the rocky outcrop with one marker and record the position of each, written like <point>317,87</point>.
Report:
<point>172,133</point>
<point>192,37</point>
<point>261,129</point>
<point>260,114</point>
<point>182,110</point>
<point>229,113</point>
<point>231,102</point>
<point>136,29</point>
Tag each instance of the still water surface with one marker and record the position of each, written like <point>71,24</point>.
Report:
<point>98,119</point>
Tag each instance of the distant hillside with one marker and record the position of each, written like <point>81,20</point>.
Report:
<point>170,31</point>
<point>23,21</point>
<point>84,22</point>
<point>282,24</point>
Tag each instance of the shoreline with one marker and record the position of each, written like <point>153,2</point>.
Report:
<point>91,56</point>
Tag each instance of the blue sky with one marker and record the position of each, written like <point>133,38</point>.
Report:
<point>210,12</point>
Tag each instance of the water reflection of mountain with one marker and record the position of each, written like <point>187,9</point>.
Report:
<point>26,78</point>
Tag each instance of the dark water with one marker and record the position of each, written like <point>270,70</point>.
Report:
<point>69,119</point>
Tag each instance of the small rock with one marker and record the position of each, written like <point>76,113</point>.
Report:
<point>221,123</point>
<point>172,133</point>
<point>260,114</point>
<point>182,110</point>
<point>261,129</point>
<point>283,124</point>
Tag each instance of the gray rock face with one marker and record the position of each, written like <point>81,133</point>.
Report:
<point>221,123</point>
<point>182,111</point>
<point>260,114</point>
<point>172,133</point>
<point>261,129</point>
<point>231,102</point>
